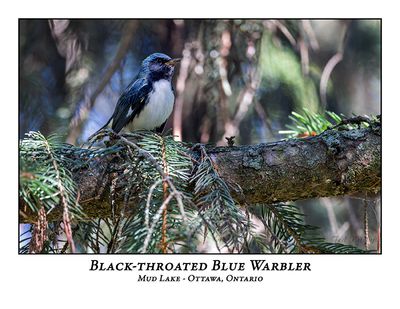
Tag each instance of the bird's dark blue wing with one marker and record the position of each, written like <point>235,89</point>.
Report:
<point>131,103</point>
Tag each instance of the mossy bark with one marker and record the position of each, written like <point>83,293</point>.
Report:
<point>330,164</point>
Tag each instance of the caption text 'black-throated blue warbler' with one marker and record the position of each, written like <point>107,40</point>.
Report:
<point>148,101</point>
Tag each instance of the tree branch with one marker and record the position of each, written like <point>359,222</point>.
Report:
<point>336,162</point>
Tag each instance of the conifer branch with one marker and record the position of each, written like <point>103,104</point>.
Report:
<point>165,193</point>
<point>159,195</point>
<point>337,162</point>
<point>61,191</point>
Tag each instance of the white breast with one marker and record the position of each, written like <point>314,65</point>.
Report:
<point>158,109</point>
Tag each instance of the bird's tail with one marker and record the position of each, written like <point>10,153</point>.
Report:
<point>95,133</point>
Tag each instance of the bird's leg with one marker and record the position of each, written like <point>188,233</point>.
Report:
<point>160,129</point>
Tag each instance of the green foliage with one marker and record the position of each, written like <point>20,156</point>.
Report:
<point>286,232</point>
<point>214,201</point>
<point>45,173</point>
<point>281,67</point>
<point>310,123</point>
<point>169,203</point>
<point>284,226</point>
<point>142,231</point>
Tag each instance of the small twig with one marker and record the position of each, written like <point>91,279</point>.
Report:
<point>114,238</point>
<point>285,32</point>
<point>206,226</point>
<point>354,120</point>
<point>66,218</point>
<point>264,117</point>
<point>304,56</point>
<point>331,215</point>
<point>367,241</point>
<point>296,237</point>
<point>65,247</point>
<point>98,236</point>
<point>331,64</point>
<point>147,209</point>
<point>308,29</point>
<point>326,73</point>
<point>122,213</point>
<point>178,195</point>
<point>112,195</point>
<point>378,243</point>
<point>230,141</point>
<point>226,44</point>
<point>156,218</point>
<point>180,87</point>
<point>39,235</point>
<point>164,244</point>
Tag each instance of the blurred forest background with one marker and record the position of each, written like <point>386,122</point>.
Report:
<point>238,78</point>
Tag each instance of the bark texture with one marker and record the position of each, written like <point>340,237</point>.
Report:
<point>336,162</point>
<point>333,163</point>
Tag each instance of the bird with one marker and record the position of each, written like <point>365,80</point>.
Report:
<point>148,100</point>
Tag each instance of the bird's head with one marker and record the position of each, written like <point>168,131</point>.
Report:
<point>159,66</point>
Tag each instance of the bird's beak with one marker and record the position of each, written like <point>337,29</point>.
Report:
<point>173,62</point>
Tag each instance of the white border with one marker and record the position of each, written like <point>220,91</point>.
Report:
<point>64,281</point>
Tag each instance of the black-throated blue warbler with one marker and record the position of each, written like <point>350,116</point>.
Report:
<point>148,101</point>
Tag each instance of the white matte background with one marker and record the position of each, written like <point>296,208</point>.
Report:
<point>65,282</point>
